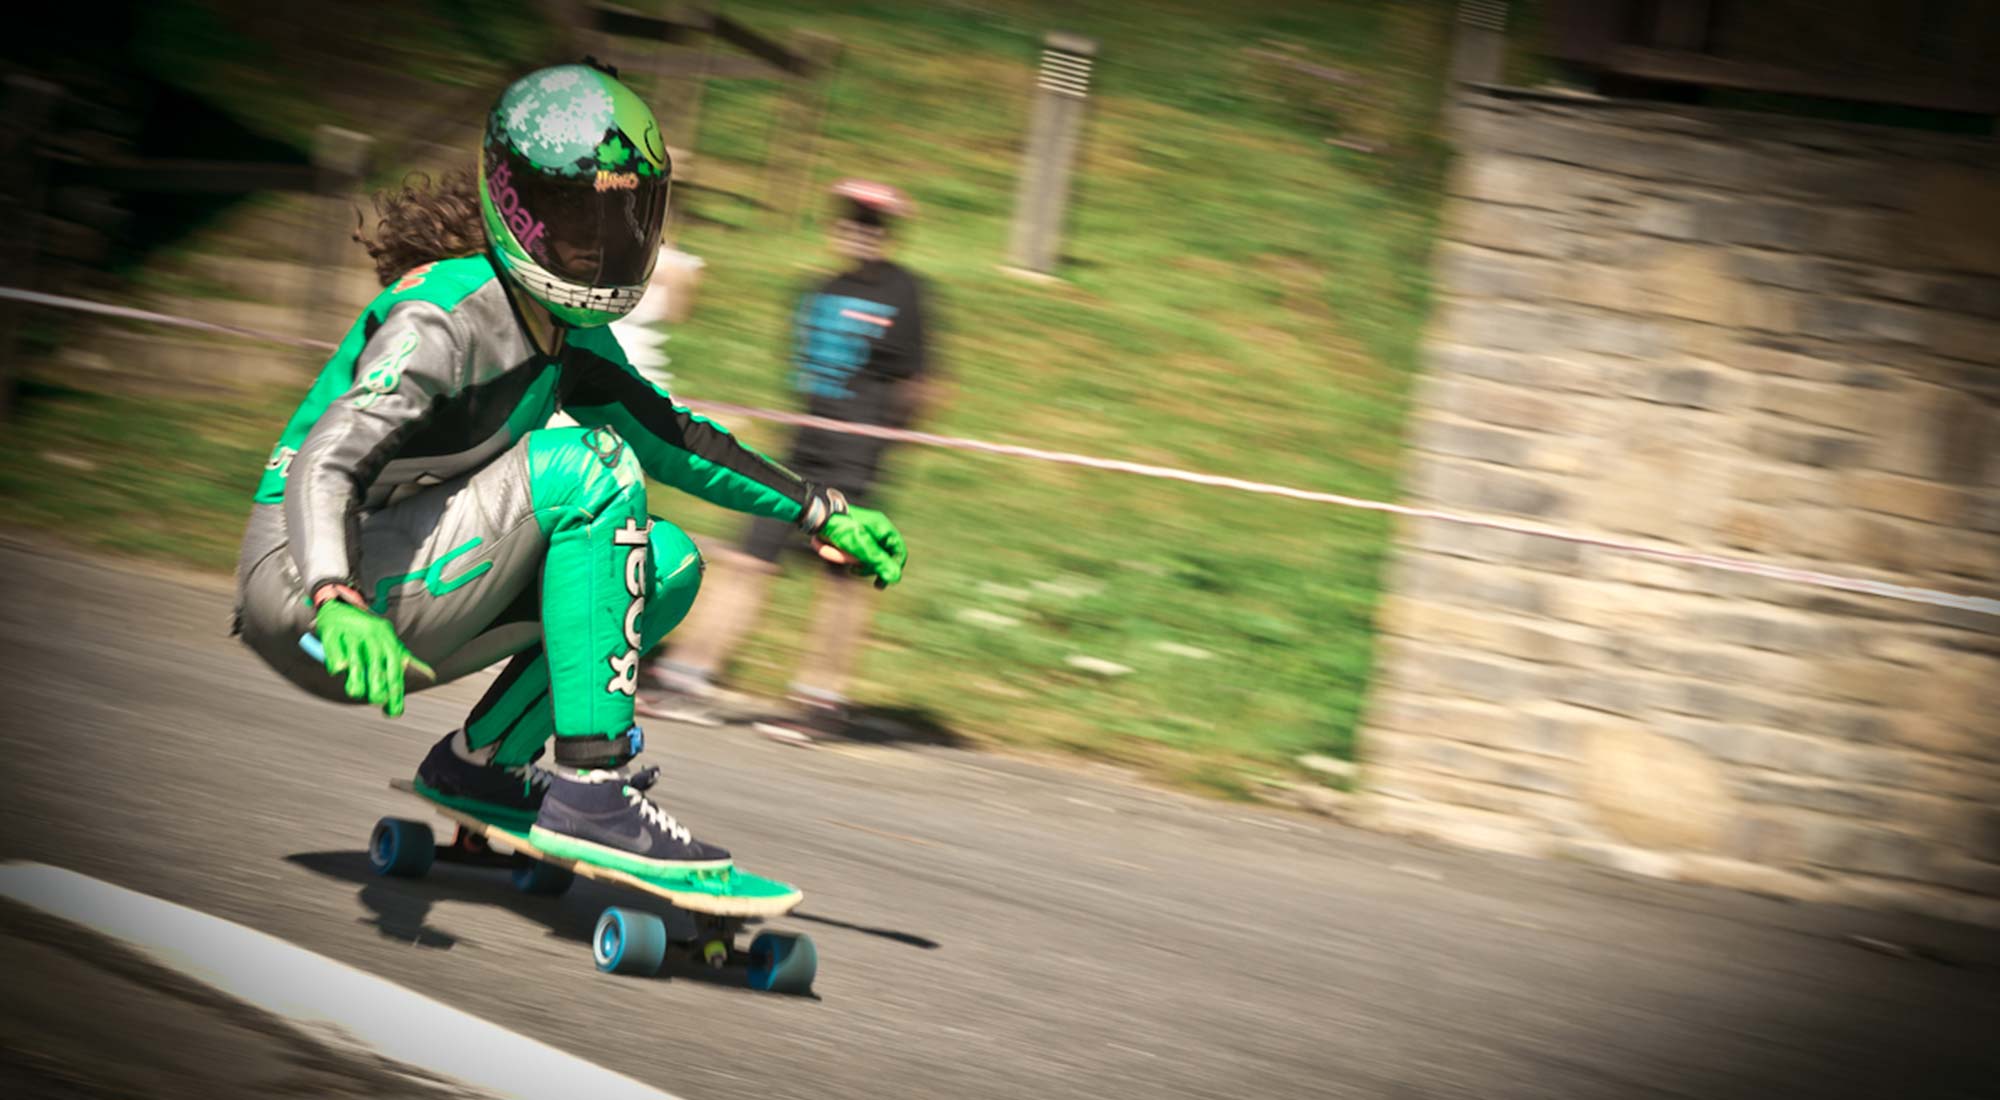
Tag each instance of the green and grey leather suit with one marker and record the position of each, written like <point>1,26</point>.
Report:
<point>419,470</point>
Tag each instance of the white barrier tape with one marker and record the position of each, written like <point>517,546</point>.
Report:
<point>1886,589</point>
<point>79,305</point>
<point>1712,561</point>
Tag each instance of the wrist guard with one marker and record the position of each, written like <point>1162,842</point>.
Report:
<point>824,503</point>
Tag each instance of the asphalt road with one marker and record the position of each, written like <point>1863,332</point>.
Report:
<point>986,927</point>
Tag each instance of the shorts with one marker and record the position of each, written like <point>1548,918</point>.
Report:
<point>849,463</point>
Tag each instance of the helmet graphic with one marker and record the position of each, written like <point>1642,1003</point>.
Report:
<point>573,180</point>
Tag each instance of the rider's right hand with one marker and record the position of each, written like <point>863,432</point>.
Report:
<point>867,536</point>
<point>363,646</point>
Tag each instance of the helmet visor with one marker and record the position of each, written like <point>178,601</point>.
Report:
<point>593,230</point>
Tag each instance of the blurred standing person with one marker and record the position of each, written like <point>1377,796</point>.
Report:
<point>859,355</point>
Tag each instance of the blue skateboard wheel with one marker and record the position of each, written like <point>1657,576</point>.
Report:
<point>628,941</point>
<point>401,849</point>
<point>532,876</point>
<point>782,962</point>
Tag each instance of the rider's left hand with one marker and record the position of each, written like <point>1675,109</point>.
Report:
<point>363,647</point>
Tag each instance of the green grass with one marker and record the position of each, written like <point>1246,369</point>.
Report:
<point>138,477</point>
<point>1240,298</point>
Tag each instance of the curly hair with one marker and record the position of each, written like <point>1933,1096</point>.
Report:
<point>421,222</point>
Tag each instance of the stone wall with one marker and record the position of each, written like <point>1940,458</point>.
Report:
<point>1753,335</point>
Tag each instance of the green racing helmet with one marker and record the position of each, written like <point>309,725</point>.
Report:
<point>573,180</point>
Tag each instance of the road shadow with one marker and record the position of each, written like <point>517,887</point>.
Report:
<point>902,725</point>
<point>868,725</point>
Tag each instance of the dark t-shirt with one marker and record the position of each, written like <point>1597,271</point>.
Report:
<point>858,337</point>
<point>858,340</point>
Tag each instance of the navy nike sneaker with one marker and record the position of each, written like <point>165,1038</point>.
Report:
<point>508,796</point>
<point>605,818</point>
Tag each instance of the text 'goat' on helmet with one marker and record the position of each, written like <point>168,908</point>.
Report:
<point>573,182</point>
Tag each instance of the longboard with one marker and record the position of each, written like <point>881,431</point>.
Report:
<point>626,940</point>
<point>729,892</point>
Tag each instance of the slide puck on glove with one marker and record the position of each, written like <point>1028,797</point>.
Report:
<point>834,555</point>
<point>831,553</point>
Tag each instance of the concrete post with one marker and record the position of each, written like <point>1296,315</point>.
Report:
<point>1480,54</point>
<point>1042,195</point>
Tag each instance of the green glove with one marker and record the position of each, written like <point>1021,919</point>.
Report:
<point>364,646</point>
<point>867,535</point>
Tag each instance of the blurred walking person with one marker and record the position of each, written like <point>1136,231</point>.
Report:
<point>860,355</point>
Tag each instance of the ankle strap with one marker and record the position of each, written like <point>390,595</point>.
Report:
<point>600,752</point>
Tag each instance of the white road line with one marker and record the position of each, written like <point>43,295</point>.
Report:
<point>329,1000</point>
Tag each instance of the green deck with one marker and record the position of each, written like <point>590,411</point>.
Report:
<point>727,891</point>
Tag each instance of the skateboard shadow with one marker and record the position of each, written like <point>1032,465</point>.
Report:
<point>400,909</point>
<point>910,938</point>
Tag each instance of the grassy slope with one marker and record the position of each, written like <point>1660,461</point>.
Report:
<point>1242,299</point>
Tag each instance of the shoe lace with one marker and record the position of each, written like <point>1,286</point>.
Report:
<point>650,811</point>
<point>532,778</point>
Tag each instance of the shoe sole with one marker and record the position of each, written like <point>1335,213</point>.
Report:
<point>503,816</point>
<point>585,851</point>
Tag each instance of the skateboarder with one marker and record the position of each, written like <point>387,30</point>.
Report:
<point>860,355</point>
<point>416,514</point>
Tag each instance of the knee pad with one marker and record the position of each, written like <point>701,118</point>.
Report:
<point>589,498</point>
<point>676,578</point>
<point>583,473</point>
